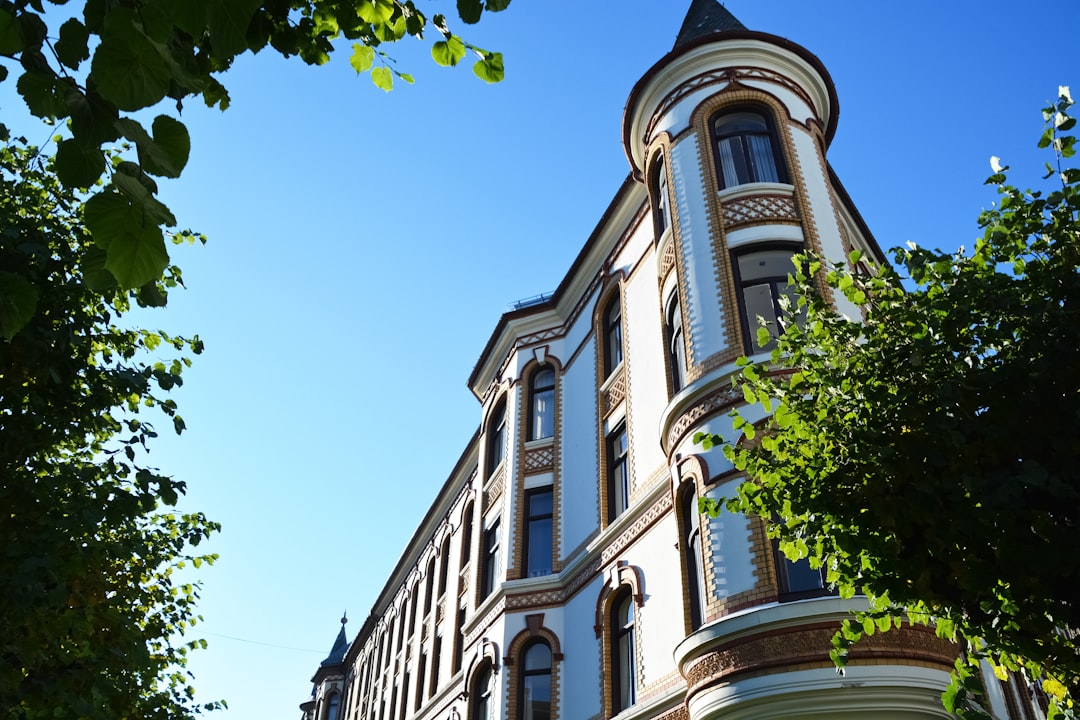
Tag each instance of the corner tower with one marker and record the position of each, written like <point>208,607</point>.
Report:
<point>729,132</point>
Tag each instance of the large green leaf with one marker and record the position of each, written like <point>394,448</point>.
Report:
<point>133,243</point>
<point>129,69</point>
<point>72,48</point>
<point>43,94</point>
<point>228,22</point>
<point>166,153</point>
<point>383,78</point>
<point>361,58</point>
<point>448,52</point>
<point>490,68</point>
<point>18,301</point>
<point>79,164</point>
<point>376,12</point>
<point>496,5</point>
<point>10,38</point>
<point>470,10</point>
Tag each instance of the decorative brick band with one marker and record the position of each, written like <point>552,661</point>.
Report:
<point>809,645</point>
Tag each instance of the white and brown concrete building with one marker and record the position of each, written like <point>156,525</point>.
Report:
<point>563,571</point>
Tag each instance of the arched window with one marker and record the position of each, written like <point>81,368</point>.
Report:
<point>746,148</point>
<point>623,651</point>
<point>542,403</point>
<point>332,705</point>
<point>612,335</point>
<point>676,348</point>
<point>763,280</point>
<point>661,200</point>
<point>466,535</point>
<point>429,585</point>
<point>444,565</point>
<point>496,437</point>
<point>414,599</point>
<point>480,695</point>
<point>692,558</point>
<point>534,698</point>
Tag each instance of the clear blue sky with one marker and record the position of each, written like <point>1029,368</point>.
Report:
<point>362,247</point>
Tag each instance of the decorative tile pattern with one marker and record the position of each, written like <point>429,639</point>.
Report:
<point>773,209</point>
<point>661,507</point>
<point>539,460</point>
<point>616,391</point>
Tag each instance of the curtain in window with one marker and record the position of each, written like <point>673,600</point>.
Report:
<point>761,157</point>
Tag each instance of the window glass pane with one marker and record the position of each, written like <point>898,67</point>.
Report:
<point>541,503</point>
<point>732,162</point>
<point>740,122</point>
<point>538,657</point>
<point>537,700</point>
<point>766,264</point>
<point>801,577</point>
<point>758,301</point>
<point>612,336</point>
<point>761,157</point>
<point>543,419</point>
<point>539,547</point>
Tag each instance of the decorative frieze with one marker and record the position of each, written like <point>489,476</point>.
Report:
<point>764,209</point>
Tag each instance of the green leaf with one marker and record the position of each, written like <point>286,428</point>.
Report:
<point>128,68</point>
<point>375,12</point>
<point>490,69</point>
<point>228,22</point>
<point>10,38</point>
<point>72,47</point>
<point>133,242</point>
<point>496,5</point>
<point>96,276</point>
<point>383,78</point>
<point>362,58</point>
<point>43,94</point>
<point>18,301</point>
<point>470,10</point>
<point>448,52</point>
<point>166,153</point>
<point>79,164</point>
<point>764,337</point>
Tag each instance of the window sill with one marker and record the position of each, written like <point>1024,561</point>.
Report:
<point>756,188</point>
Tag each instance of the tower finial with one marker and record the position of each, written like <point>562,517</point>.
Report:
<point>344,617</point>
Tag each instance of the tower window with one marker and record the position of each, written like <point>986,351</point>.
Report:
<point>618,473</point>
<point>661,200</point>
<point>676,348</point>
<point>612,336</point>
<point>763,280</point>
<point>496,437</point>
<point>542,403</point>
<point>539,505</point>
<point>692,555</point>
<point>746,149</point>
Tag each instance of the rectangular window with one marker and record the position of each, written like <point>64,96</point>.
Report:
<point>459,643</point>
<point>612,336</point>
<point>763,280</point>
<point>421,674</point>
<point>491,561</point>
<point>539,504</point>
<point>618,473</point>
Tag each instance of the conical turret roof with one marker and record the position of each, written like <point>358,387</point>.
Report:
<point>341,646</point>
<point>705,17</point>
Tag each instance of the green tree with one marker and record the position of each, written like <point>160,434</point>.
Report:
<point>92,615</point>
<point>97,70</point>
<point>925,454</point>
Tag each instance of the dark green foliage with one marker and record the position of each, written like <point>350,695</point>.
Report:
<point>926,453</point>
<point>146,52</point>
<point>92,615</point>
